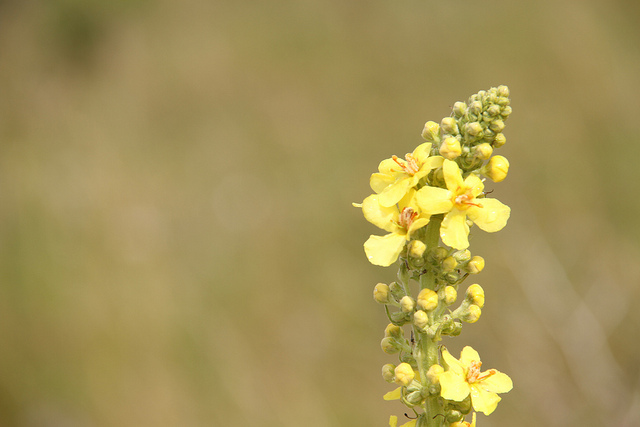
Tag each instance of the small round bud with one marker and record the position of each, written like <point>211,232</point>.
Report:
<point>497,168</point>
<point>475,294</point>
<point>449,126</point>
<point>476,265</point>
<point>473,128</point>
<point>420,319</point>
<point>453,417</point>
<point>431,131</point>
<point>450,295</point>
<point>417,248</point>
<point>404,374</point>
<point>497,126</point>
<point>459,109</point>
<point>506,111</point>
<point>415,397</point>
<point>388,372</point>
<point>493,110</point>
<point>407,304</point>
<point>433,373</point>
<point>449,263</point>
<point>462,256</point>
<point>393,331</point>
<point>450,148</point>
<point>483,151</point>
<point>389,345</point>
<point>472,314</point>
<point>427,299</point>
<point>381,293</point>
<point>499,140</point>
<point>440,253</point>
<point>476,107</point>
<point>503,91</point>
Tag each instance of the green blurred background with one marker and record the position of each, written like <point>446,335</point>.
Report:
<point>177,242</point>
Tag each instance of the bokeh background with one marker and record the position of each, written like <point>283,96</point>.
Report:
<point>177,242</point>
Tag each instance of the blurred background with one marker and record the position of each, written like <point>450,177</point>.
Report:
<point>177,241</point>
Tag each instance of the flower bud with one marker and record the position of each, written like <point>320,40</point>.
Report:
<point>420,319</point>
<point>393,331</point>
<point>449,126</point>
<point>431,131</point>
<point>427,299</point>
<point>440,253</point>
<point>462,256</point>
<point>417,248</point>
<point>381,293</point>
<point>459,109</point>
<point>473,129</point>
<point>449,264</point>
<point>506,112</point>
<point>476,265</point>
<point>388,372</point>
<point>389,345</point>
<point>404,374</point>
<point>497,168</point>
<point>450,295</point>
<point>493,110</point>
<point>407,304</point>
<point>476,107</point>
<point>454,416</point>
<point>415,397</point>
<point>450,148</point>
<point>472,314</point>
<point>503,91</point>
<point>497,126</point>
<point>475,294</point>
<point>483,151</point>
<point>433,373</point>
<point>499,140</point>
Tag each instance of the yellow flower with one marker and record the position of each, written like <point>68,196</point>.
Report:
<point>463,378</point>
<point>461,200</point>
<point>465,423</point>
<point>393,422</point>
<point>397,176</point>
<point>400,221</point>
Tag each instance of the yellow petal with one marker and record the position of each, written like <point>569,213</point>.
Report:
<point>434,200</point>
<point>452,175</point>
<point>453,386</point>
<point>393,421</point>
<point>384,250</point>
<point>452,363</point>
<point>416,225</point>
<point>411,423</point>
<point>380,181</point>
<point>454,230</point>
<point>468,355</point>
<point>389,167</point>
<point>383,217</point>
<point>475,184</point>
<point>482,400</point>
<point>396,191</point>
<point>432,163</point>
<point>421,153</point>
<point>473,420</point>
<point>497,383</point>
<point>491,217</point>
<point>393,395</point>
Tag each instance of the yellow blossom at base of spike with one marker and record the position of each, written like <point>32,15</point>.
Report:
<point>464,378</point>
<point>465,423</point>
<point>393,422</point>
<point>459,201</point>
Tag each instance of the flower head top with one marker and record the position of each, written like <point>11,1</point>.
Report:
<point>464,378</point>
<point>400,220</point>
<point>461,199</point>
<point>397,176</point>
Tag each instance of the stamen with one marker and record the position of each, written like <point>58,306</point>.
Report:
<point>409,166</point>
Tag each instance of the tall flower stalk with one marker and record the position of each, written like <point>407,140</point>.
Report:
<point>429,202</point>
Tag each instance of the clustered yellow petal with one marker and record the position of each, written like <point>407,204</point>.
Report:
<point>464,378</point>
<point>461,199</point>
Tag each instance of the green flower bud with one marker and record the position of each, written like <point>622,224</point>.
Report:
<point>473,129</point>
<point>476,108</point>
<point>476,265</point>
<point>404,374</point>
<point>493,110</point>
<point>440,253</point>
<point>497,126</point>
<point>389,345</point>
<point>454,417</point>
<point>499,140</point>
<point>450,148</point>
<point>388,372</point>
<point>396,291</point>
<point>407,304</point>
<point>506,112</point>
<point>431,132</point>
<point>394,331</point>
<point>449,126</point>
<point>415,397</point>
<point>420,319</point>
<point>381,293</point>
<point>427,299</point>
<point>472,314</point>
<point>459,109</point>
<point>503,91</point>
<point>462,256</point>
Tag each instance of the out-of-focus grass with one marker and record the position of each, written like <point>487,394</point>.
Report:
<point>177,244</point>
